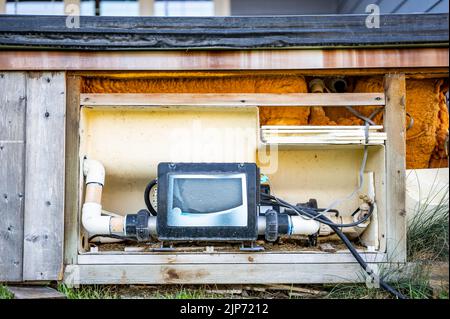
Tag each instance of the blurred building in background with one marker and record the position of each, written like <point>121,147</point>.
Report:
<point>219,7</point>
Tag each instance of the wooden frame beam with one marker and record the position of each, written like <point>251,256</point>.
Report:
<point>279,257</point>
<point>395,127</point>
<point>226,60</point>
<point>215,273</point>
<point>410,73</point>
<point>232,99</point>
<point>72,172</point>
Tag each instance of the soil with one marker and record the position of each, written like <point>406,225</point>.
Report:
<point>291,244</point>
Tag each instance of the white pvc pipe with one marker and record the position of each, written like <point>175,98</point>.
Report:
<point>298,225</point>
<point>92,219</point>
<point>302,226</point>
<point>261,225</point>
<point>94,172</point>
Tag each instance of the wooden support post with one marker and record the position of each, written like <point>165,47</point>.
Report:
<point>146,7</point>
<point>394,123</point>
<point>71,205</point>
<point>12,157</point>
<point>44,176</point>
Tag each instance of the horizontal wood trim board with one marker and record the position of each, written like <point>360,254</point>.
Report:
<point>314,143</point>
<point>214,274</point>
<point>233,99</point>
<point>324,135</point>
<point>195,258</point>
<point>320,146</point>
<point>411,73</point>
<point>313,59</point>
<point>289,128</point>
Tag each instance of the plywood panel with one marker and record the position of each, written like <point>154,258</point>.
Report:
<point>44,176</point>
<point>131,143</point>
<point>12,156</point>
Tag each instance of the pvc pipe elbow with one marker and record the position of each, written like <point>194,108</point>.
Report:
<point>93,221</point>
<point>94,171</point>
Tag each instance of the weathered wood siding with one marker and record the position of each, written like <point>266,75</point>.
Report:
<point>44,175</point>
<point>32,126</point>
<point>12,150</point>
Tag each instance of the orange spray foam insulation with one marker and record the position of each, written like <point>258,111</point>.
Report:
<point>425,103</point>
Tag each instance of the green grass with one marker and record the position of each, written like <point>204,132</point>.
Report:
<point>428,230</point>
<point>413,284</point>
<point>427,242</point>
<point>89,292</point>
<point>184,293</point>
<point>4,293</point>
<point>443,294</point>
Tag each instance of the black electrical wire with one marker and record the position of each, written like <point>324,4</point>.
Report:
<point>359,115</point>
<point>361,261</point>
<point>291,212</point>
<point>357,210</point>
<point>150,185</point>
<point>312,213</point>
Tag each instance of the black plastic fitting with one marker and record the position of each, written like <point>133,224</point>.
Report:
<point>137,225</point>
<point>271,232</point>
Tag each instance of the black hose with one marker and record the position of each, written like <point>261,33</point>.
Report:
<point>359,115</point>
<point>335,227</point>
<point>363,264</point>
<point>290,212</point>
<point>313,213</point>
<point>148,188</point>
